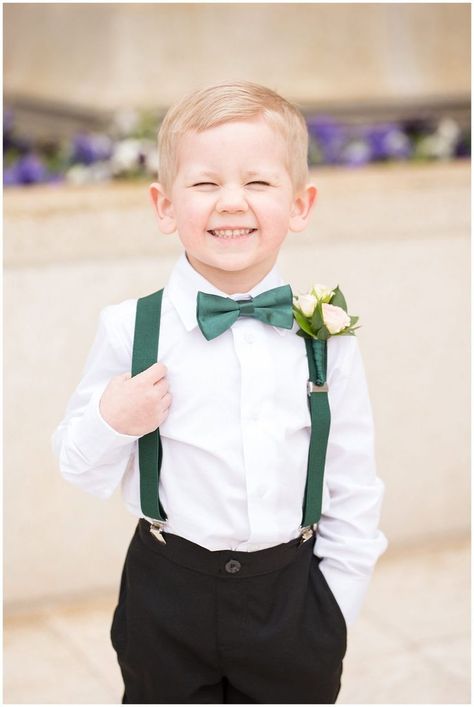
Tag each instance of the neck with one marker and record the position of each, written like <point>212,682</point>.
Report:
<point>232,281</point>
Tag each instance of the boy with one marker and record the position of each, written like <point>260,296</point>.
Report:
<point>224,596</point>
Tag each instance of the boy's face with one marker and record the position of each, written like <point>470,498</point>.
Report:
<point>230,178</point>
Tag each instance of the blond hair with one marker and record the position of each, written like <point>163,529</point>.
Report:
<point>220,103</point>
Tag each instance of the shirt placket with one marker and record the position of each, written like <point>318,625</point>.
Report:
<point>256,378</point>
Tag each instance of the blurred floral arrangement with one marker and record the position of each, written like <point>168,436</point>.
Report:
<point>127,150</point>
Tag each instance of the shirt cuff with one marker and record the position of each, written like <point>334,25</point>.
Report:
<point>95,437</point>
<point>349,590</point>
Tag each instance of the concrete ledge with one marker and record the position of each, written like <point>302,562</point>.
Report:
<point>54,224</point>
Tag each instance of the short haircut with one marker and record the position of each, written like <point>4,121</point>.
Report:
<point>233,100</point>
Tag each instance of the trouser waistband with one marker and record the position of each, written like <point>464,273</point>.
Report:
<point>223,563</point>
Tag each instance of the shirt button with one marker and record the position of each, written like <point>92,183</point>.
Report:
<point>249,338</point>
<point>233,566</point>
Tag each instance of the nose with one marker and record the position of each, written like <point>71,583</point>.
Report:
<point>231,199</point>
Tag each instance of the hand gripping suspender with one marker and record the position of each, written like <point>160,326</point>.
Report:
<point>150,452</point>
<point>145,354</point>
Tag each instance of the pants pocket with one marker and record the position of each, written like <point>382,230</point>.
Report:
<point>328,591</point>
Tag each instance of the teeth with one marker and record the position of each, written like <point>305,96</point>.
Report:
<point>235,233</point>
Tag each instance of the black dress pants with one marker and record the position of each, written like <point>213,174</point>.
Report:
<point>200,626</point>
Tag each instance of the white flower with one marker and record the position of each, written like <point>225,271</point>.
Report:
<point>335,318</point>
<point>100,172</point>
<point>306,303</point>
<point>151,158</point>
<point>322,292</point>
<point>126,155</point>
<point>449,130</point>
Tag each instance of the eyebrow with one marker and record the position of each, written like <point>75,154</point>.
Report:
<point>248,173</point>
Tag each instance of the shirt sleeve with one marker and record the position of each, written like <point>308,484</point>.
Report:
<point>348,539</point>
<point>91,453</point>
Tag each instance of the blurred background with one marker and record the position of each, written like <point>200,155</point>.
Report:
<point>385,89</point>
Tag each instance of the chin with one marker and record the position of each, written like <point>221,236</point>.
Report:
<point>233,265</point>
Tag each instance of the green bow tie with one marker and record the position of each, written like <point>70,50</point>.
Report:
<point>216,314</point>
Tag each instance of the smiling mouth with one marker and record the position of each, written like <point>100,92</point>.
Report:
<point>228,234</point>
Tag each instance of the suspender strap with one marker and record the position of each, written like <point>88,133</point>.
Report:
<point>316,351</point>
<point>145,354</point>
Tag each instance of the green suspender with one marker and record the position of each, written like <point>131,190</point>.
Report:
<point>316,351</point>
<point>145,354</point>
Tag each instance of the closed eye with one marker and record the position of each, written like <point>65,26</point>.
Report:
<point>211,184</point>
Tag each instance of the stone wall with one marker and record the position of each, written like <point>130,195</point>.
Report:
<point>103,56</point>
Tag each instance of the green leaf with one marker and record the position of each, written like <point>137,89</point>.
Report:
<point>323,334</point>
<point>354,320</point>
<point>317,318</point>
<point>351,330</point>
<point>338,299</point>
<point>301,320</point>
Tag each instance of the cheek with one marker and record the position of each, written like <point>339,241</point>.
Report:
<point>193,214</point>
<point>277,217</point>
<point>273,208</point>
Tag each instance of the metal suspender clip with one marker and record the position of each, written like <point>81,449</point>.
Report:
<point>313,388</point>
<point>156,528</point>
<point>307,532</point>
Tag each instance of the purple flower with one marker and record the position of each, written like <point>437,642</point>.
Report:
<point>387,141</point>
<point>55,178</point>
<point>356,153</point>
<point>31,170</point>
<point>463,147</point>
<point>87,149</point>
<point>330,136</point>
<point>10,176</point>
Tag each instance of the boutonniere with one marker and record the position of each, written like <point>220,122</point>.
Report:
<point>322,313</point>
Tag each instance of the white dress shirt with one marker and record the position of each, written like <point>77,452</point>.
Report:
<point>236,439</point>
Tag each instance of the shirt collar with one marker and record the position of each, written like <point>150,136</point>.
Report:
<point>185,282</point>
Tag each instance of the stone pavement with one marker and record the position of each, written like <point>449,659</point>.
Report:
<point>410,645</point>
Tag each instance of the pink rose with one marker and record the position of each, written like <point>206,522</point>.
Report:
<point>335,318</point>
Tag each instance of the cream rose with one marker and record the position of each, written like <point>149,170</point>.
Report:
<point>322,292</point>
<point>335,318</point>
<point>307,304</point>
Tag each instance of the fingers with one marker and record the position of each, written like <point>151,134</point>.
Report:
<point>166,401</point>
<point>154,385</point>
<point>160,388</point>
<point>153,374</point>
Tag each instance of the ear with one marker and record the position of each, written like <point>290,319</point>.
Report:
<point>163,207</point>
<point>301,208</point>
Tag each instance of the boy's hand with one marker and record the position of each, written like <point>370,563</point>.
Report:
<point>138,405</point>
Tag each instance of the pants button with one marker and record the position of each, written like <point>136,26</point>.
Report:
<point>232,566</point>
